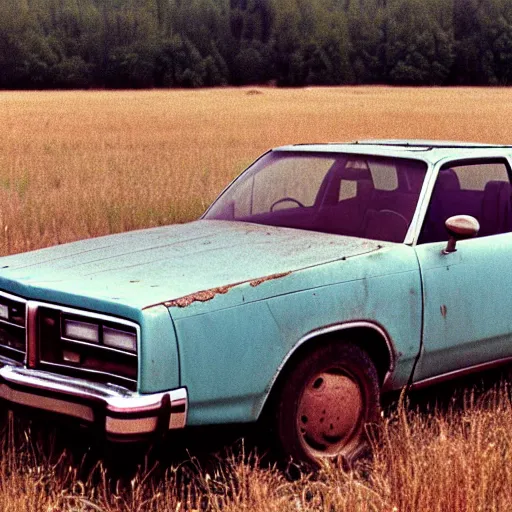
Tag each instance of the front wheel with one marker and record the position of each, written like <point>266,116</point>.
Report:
<point>325,402</point>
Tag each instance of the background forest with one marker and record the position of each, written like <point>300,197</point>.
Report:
<point>194,43</point>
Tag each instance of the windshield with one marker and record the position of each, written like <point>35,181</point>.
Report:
<point>354,195</point>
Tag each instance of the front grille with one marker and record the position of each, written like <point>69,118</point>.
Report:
<point>12,327</point>
<point>71,342</point>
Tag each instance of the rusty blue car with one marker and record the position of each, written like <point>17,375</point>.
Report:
<point>323,277</point>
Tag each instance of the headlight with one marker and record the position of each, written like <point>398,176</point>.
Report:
<point>4,312</point>
<point>13,312</point>
<point>81,331</point>
<point>100,333</point>
<point>121,340</point>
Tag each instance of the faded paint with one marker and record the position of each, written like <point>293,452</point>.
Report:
<point>170,262</point>
<point>472,285</point>
<point>249,340</point>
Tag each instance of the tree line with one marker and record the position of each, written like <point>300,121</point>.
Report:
<point>196,43</point>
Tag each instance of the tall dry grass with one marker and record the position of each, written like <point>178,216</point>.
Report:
<point>457,460</point>
<point>82,164</point>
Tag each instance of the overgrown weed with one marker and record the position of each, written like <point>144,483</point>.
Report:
<point>455,459</point>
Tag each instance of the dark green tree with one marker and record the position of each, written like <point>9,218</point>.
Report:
<point>194,43</point>
<point>366,23</point>
<point>419,41</point>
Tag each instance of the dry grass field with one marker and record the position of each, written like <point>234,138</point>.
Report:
<point>83,164</point>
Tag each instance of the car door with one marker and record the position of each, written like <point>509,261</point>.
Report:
<point>467,294</point>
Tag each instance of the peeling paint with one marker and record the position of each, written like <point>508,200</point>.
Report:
<point>257,282</point>
<point>202,296</point>
<point>207,295</point>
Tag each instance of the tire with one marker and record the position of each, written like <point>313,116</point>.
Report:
<point>325,402</point>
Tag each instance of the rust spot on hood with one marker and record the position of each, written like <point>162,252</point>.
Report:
<point>202,296</point>
<point>206,295</point>
<point>257,282</point>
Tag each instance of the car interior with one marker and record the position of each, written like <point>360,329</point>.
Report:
<point>489,202</point>
<point>361,197</point>
<point>368,196</point>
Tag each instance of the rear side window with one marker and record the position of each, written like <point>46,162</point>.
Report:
<point>476,176</point>
<point>478,188</point>
<point>383,173</point>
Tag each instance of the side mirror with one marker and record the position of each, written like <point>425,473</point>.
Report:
<point>460,227</point>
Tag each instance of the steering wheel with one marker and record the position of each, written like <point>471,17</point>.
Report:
<point>396,214</point>
<point>397,231</point>
<point>284,200</point>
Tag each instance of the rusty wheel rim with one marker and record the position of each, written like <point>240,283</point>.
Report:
<point>330,414</point>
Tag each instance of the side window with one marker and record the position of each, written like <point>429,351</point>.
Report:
<point>384,175</point>
<point>348,190</point>
<point>478,188</point>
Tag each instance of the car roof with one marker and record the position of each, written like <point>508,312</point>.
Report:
<point>428,150</point>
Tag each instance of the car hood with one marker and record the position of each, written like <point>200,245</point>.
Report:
<point>153,266</point>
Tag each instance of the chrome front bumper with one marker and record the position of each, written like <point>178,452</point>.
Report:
<point>120,413</point>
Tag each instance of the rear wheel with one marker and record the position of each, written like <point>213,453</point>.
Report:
<point>325,402</point>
